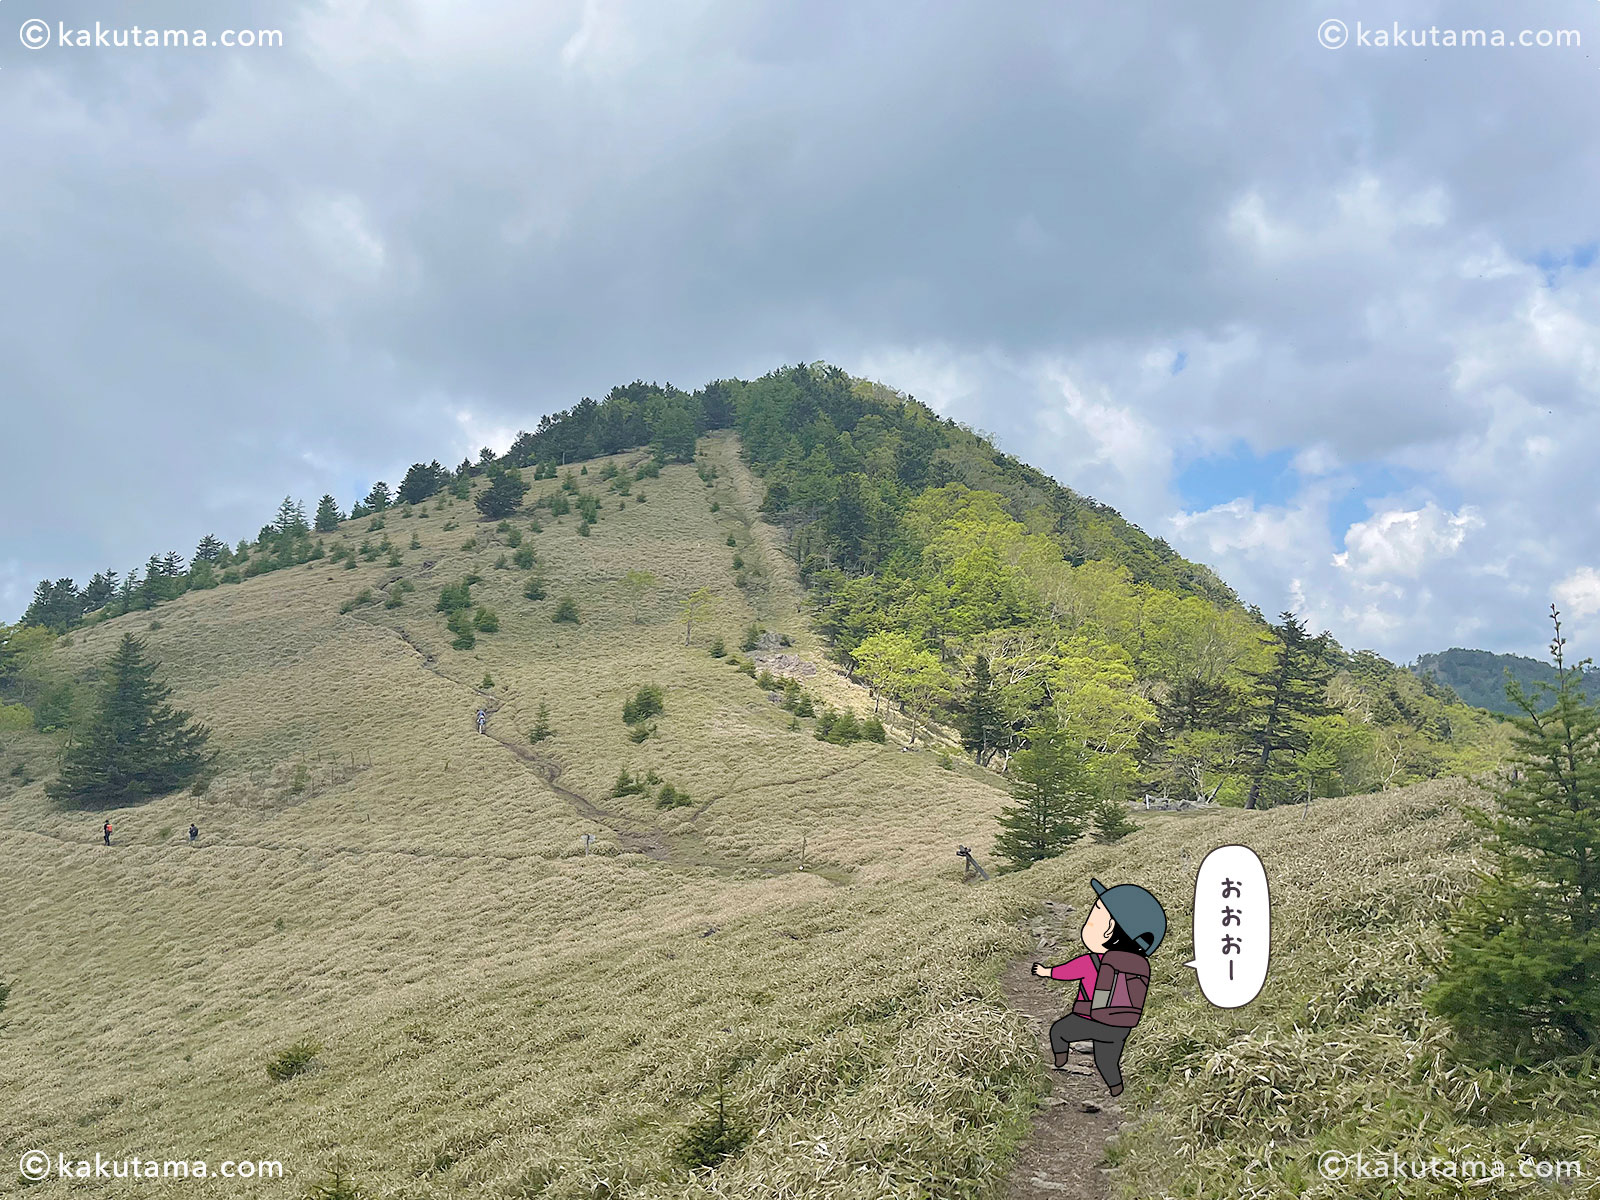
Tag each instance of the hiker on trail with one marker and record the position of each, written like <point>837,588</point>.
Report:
<point>194,831</point>
<point>483,721</point>
<point>107,832</point>
<point>1122,930</point>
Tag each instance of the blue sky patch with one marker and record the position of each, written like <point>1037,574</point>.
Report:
<point>1554,262</point>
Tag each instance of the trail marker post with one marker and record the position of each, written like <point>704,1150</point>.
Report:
<point>972,864</point>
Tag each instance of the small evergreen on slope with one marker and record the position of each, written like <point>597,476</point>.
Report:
<point>138,745</point>
<point>1523,973</point>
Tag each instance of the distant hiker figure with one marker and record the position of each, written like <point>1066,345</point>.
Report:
<point>194,831</point>
<point>1122,930</point>
<point>483,721</point>
<point>107,832</point>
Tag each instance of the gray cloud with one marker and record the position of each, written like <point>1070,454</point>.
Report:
<point>418,226</point>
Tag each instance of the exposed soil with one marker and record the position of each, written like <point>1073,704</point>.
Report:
<point>1064,1157</point>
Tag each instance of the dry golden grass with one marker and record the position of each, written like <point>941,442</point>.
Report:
<point>500,1014</point>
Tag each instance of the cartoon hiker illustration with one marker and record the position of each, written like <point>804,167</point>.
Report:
<point>1122,930</point>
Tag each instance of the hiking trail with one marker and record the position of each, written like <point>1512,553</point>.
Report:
<point>1063,1157</point>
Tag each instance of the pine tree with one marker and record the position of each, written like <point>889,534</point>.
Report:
<point>1054,795</point>
<point>328,515</point>
<point>138,744</point>
<point>541,725</point>
<point>378,498</point>
<point>1289,694</point>
<point>209,550</point>
<point>291,519</point>
<point>983,725</point>
<point>503,495</point>
<point>1523,959</point>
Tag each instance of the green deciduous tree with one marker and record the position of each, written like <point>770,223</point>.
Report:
<point>1523,966</point>
<point>137,744</point>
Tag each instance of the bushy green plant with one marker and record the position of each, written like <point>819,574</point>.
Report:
<point>292,1060</point>
<point>671,797</point>
<point>524,557</point>
<point>872,729</point>
<point>454,597</point>
<point>566,611</point>
<point>485,620</point>
<point>718,648</point>
<point>638,733</point>
<point>541,730</point>
<point>534,588</point>
<point>752,637</point>
<point>716,1135</point>
<point>649,701</point>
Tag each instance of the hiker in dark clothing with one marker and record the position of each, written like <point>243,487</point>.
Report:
<point>1124,927</point>
<point>194,831</point>
<point>107,832</point>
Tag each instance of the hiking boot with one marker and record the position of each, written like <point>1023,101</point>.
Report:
<point>1117,1091</point>
<point>1061,1059</point>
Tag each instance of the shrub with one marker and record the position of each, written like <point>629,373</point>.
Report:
<point>485,620</point>
<point>649,470</point>
<point>566,611</point>
<point>626,785</point>
<point>464,640</point>
<point>395,600</point>
<point>293,1060</point>
<point>648,701</point>
<point>671,797</point>
<point>716,1135</point>
<point>535,527</point>
<point>534,588</point>
<point>718,649</point>
<point>541,730</point>
<point>752,638</point>
<point>872,729</point>
<point>416,542</point>
<point>765,681</point>
<point>738,562</point>
<point>488,682</point>
<point>394,558</point>
<point>639,499</point>
<point>559,506</point>
<point>513,537</point>
<point>337,1186</point>
<point>583,529</point>
<point>803,707</point>
<point>732,541</point>
<point>715,507</point>
<point>639,732</point>
<point>1112,822</point>
<point>364,596</point>
<point>454,597</point>
<point>470,544</point>
<point>501,563</point>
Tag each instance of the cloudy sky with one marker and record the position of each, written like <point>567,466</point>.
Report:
<point>1324,318</point>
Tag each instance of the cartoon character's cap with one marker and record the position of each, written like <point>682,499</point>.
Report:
<point>1136,912</point>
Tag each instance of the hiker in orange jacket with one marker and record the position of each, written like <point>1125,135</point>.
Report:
<point>1123,928</point>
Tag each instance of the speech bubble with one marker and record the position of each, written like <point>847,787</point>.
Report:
<point>1232,926</point>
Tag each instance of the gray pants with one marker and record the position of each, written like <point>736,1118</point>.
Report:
<point>1108,1042</point>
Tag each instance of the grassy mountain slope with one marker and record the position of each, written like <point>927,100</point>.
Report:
<point>500,1014</point>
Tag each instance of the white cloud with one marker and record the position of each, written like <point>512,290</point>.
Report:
<point>1578,595</point>
<point>1403,542</point>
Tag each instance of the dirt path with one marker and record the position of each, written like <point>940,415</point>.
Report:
<point>1063,1158</point>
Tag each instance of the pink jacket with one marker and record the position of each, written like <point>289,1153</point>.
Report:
<point>1111,987</point>
<point>1083,969</point>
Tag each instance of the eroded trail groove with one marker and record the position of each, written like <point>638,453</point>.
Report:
<point>1064,1156</point>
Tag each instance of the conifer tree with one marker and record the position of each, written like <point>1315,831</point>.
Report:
<point>328,515</point>
<point>1289,694</point>
<point>503,495</point>
<point>983,725</point>
<point>138,745</point>
<point>291,519</point>
<point>378,498</point>
<point>1054,797</point>
<point>209,550</point>
<point>1522,971</point>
